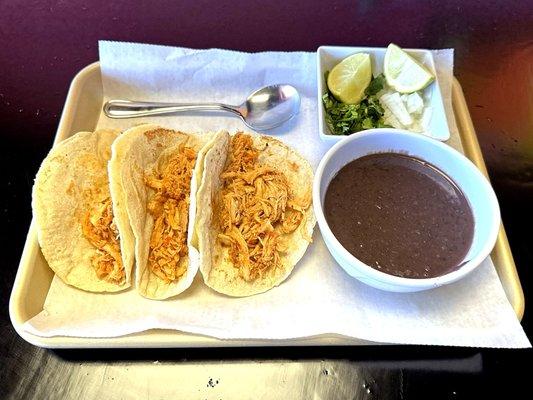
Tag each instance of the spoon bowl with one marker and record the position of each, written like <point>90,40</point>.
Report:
<point>264,109</point>
<point>270,107</point>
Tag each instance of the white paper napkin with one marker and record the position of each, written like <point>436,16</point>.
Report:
<point>319,297</point>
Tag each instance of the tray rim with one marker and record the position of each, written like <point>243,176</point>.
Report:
<point>501,255</point>
<point>163,338</point>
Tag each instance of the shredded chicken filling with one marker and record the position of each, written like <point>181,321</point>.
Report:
<point>99,228</point>
<point>255,209</point>
<point>169,207</point>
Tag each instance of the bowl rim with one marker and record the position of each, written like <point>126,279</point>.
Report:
<point>418,283</point>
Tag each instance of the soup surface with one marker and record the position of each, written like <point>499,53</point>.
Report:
<point>400,215</point>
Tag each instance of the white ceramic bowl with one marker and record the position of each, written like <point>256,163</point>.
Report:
<point>474,185</point>
<point>329,56</point>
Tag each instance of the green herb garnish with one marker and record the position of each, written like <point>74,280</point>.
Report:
<point>344,119</point>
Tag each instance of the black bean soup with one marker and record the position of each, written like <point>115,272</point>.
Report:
<point>400,215</point>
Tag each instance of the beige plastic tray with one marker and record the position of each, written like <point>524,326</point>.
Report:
<point>81,112</point>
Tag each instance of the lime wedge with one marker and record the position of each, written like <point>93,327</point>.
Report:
<point>403,73</point>
<point>348,80</point>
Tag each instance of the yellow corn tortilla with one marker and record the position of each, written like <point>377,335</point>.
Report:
<point>135,154</point>
<point>216,267</point>
<point>71,180</point>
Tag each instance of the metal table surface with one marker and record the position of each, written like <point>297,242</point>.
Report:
<point>44,43</point>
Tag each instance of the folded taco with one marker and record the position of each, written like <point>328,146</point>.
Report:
<point>75,217</point>
<point>254,217</point>
<point>152,169</point>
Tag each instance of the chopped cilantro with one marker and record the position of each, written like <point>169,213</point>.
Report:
<point>344,119</point>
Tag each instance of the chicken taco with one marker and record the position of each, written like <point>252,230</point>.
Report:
<point>76,218</point>
<point>153,168</point>
<point>254,217</point>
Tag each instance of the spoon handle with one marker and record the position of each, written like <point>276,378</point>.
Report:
<point>131,109</point>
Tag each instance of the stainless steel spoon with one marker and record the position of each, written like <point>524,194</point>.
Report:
<point>264,109</point>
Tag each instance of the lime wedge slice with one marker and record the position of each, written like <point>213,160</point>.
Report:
<point>348,80</point>
<point>403,73</point>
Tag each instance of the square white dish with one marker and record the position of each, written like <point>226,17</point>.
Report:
<point>329,56</point>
